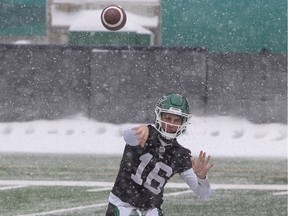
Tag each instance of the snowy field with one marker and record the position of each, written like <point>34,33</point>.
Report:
<point>218,136</point>
<point>250,180</point>
<point>75,184</point>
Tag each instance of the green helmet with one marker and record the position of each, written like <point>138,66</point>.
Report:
<point>174,104</point>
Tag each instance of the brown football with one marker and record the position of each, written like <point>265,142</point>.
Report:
<point>113,17</point>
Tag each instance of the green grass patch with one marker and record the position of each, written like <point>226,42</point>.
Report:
<point>56,167</point>
<point>228,202</point>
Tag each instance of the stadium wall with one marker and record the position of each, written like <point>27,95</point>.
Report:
<point>122,84</point>
<point>241,26</point>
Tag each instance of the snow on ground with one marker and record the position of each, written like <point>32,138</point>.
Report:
<point>218,136</point>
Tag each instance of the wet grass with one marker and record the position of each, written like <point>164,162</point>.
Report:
<point>104,168</point>
<point>228,202</point>
<point>41,199</point>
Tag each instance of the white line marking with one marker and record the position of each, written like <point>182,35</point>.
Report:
<point>13,187</point>
<point>249,187</point>
<point>99,189</point>
<point>281,193</point>
<point>169,185</point>
<point>178,193</point>
<point>67,210</point>
<point>234,186</point>
<point>57,183</point>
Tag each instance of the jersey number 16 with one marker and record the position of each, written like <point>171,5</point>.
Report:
<point>153,175</point>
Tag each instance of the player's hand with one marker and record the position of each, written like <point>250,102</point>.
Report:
<point>142,133</point>
<point>202,165</point>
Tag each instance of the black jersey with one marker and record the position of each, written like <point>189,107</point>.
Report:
<point>144,171</point>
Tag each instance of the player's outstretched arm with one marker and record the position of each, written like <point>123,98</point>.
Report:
<point>202,165</point>
<point>196,177</point>
<point>142,133</point>
<point>137,135</point>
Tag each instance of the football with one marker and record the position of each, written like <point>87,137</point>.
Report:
<point>113,17</point>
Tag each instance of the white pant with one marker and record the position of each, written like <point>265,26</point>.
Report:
<point>130,211</point>
<point>125,209</point>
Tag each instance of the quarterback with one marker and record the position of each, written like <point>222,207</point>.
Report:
<point>152,155</point>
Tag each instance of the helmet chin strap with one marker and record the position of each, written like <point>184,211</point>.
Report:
<point>162,131</point>
<point>168,136</point>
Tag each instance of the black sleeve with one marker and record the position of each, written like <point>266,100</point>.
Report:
<point>153,134</point>
<point>184,159</point>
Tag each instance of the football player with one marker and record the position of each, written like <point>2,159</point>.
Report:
<point>152,155</point>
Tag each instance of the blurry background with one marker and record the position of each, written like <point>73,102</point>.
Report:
<point>227,57</point>
<point>221,26</point>
<point>57,62</point>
